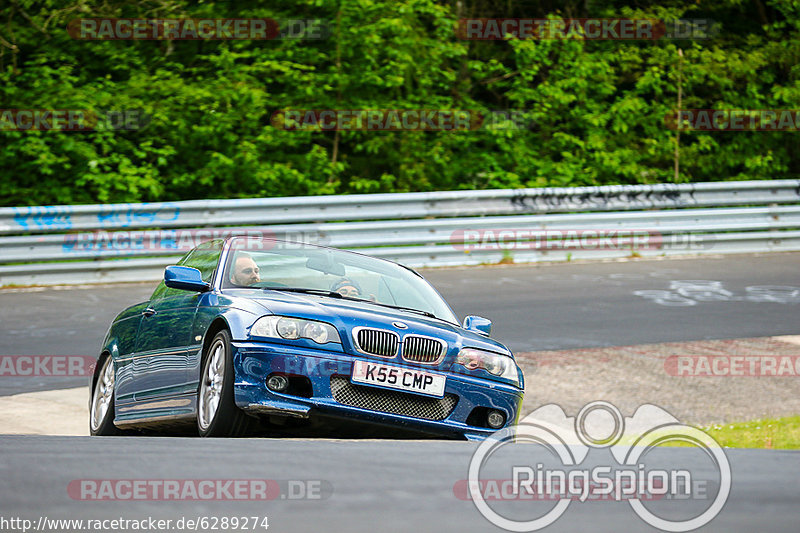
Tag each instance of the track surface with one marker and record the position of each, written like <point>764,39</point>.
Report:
<point>374,485</point>
<point>554,307</point>
<point>545,307</point>
<point>408,485</point>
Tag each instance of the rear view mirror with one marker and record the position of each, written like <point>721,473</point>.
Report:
<point>186,278</point>
<point>478,324</point>
<point>325,264</point>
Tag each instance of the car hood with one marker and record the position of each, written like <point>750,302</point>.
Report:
<point>347,314</point>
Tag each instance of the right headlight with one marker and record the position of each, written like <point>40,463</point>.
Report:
<point>284,327</point>
<point>499,365</point>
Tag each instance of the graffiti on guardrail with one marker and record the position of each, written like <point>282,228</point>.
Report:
<point>126,215</point>
<point>45,216</point>
<point>687,293</point>
<point>61,217</point>
<point>601,197</point>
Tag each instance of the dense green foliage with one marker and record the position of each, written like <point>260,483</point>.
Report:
<point>595,109</point>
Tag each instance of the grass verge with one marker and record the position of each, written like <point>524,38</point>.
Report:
<point>769,433</point>
<point>766,434</point>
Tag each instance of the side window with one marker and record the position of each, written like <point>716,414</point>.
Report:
<point>205,258</point>
<point>162,291</point>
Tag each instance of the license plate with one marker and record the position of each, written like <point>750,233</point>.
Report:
<point>394,377</point>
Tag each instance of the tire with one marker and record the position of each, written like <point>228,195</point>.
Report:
<point>217,414</point>
<point>101,410</point>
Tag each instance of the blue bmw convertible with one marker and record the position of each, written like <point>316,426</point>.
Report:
<point>250,334</point>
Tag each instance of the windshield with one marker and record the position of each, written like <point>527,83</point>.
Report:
<point>265,263</point>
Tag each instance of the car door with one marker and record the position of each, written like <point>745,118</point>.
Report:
<point>124,332</point>
<point>165,333</point>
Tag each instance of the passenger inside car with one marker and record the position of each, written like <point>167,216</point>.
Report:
<point>350,288</point>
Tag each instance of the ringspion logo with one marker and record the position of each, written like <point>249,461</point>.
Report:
<point>667,495</point>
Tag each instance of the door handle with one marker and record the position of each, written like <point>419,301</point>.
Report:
<point>149,312</point>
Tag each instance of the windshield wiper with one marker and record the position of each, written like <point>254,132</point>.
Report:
<point>334,294</point>
<point>321,292</point>
<point>400,307</point>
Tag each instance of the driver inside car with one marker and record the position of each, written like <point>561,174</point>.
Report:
<point>245,271</point>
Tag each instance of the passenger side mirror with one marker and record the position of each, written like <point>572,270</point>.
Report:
<point>185,278</point>
<point>478,324</point>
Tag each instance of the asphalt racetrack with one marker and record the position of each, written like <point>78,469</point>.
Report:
<point>544,307</point>
<point>337,485</point>
<point>361,486</point>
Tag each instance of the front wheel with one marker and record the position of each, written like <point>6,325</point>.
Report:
<point>217,414</point>
<point>101,413</point>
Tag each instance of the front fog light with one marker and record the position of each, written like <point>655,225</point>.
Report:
<point>288,328</point>
<point>277,383</point>
<point>495,419</point>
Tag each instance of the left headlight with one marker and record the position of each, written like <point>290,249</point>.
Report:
<point>498,365</point>
<point>284,327</point>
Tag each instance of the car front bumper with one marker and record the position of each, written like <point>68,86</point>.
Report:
<point>332,393</point>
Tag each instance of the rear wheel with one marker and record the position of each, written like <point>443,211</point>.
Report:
<point>101,413</point>
<point>217,414</point>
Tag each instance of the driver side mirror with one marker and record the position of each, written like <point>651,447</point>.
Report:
<point>186,278</point>
<point>478,324</point>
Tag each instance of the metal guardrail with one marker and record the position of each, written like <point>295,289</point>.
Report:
<point>213,213</point>
<point>110,243</point>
